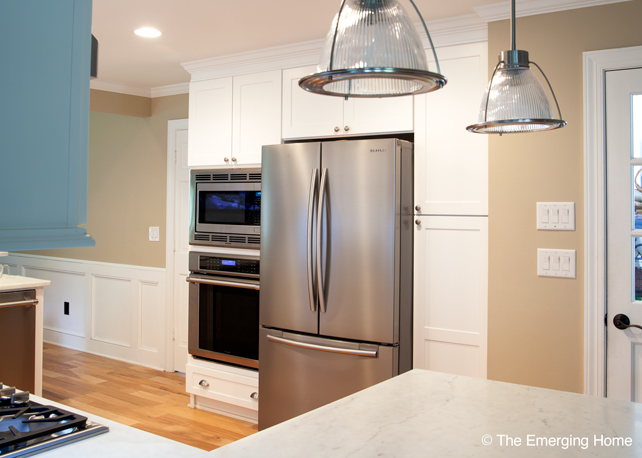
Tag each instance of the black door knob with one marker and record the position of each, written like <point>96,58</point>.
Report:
<point>621,321</point>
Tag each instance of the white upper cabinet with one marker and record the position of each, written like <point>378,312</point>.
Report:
<point>230,119</point>
<point>311,115</point>
<point>451,164</point>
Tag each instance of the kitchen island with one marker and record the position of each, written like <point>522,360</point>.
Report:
<point>430,414</point>
<point>9,283</point>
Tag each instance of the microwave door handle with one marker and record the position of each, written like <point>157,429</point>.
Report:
<point>313,189</point>
<point>322,192</point>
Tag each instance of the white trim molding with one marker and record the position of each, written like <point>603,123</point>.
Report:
<point>500,11</point>
<point>596,64</point>
<point>172,89</point>
<point>121,88</point>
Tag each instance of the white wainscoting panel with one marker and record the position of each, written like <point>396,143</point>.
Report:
<point>69,287</point>
<point>149,318</point>
<point>111,310</point>
<point>115,310</point>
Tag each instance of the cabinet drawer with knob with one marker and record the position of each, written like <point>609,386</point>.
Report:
<point>222,386</point>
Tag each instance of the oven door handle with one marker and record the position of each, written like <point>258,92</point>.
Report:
<point>310,346</point>
<point>234,284</point>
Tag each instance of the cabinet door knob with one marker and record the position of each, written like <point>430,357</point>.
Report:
<point>233,159</point>
<point>226,159</point>
<point>418,208</point>
<point>418,222</point>
<point>336,129</point>
<point>204,383</point>
<point>254,395</point>
<point>346,128</point>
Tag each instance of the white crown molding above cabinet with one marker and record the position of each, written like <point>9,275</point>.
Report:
<point>500,11</point>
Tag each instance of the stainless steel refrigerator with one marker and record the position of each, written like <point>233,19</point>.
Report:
<point>336,271</point>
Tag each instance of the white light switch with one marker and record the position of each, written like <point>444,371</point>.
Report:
<point>556,216</point>
<point>556,263</point>
<point>154,234</point>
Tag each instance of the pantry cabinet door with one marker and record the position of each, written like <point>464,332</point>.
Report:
<point>451,294</point>
<point>306,114</point>
<point>451,164</point>
<point>210,122</point>
<point>256,115</point>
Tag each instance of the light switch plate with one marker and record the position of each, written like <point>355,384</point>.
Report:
<point>556,263</point>
<point>154,234</point>
<point>556,216</point>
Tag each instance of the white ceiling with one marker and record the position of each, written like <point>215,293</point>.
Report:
<point>202,29</point>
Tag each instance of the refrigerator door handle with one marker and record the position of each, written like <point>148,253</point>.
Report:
<point>309,346</point>
<point>324,179</point>
<point>313,189</point>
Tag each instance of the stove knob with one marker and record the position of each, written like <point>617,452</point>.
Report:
<point>204,383</point>
<point>20,398</point>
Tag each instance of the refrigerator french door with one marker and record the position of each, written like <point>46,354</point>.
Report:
<point>336,277</point>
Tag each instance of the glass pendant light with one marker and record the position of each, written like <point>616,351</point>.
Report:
<point>515,101</point>
<point>373,50</point>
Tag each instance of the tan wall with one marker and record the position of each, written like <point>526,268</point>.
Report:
<point>124,104</point>
<point>127,184</point>
<point>535,325</point>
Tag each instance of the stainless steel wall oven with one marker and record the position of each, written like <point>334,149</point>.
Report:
<point>224,308</point>
<point>226,208</point>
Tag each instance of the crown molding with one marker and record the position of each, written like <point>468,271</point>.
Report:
<point>171,89</point>
<point>112,86</point>
<point>501,11</point>
<point>445,32</point>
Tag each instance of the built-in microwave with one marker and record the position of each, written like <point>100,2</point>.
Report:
<point>226,208</point>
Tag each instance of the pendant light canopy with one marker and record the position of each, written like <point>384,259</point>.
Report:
<point>515,101</point>
<point>373,50</point>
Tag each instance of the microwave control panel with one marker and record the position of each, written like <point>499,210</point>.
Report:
<point>231,264</point>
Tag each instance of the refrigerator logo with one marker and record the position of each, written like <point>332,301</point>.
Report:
<point>378,150</point>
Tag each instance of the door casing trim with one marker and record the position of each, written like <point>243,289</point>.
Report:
<point>596,64</point>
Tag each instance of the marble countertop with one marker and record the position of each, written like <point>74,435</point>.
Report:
<point>120,442</point>
<point>430,414</point>
<point>15,282</point>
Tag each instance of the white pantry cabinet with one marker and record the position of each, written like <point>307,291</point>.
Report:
<point>451,164</point>
<point>451,294</point>
<point>230,119</point>
<point>311,115</point>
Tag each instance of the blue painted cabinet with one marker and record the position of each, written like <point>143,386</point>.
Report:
<point>45,54</point>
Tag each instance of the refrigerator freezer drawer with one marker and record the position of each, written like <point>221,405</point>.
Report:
<point>300,373</point>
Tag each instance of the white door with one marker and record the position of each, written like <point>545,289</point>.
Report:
<point>181,249</point>
<point>624,232</point>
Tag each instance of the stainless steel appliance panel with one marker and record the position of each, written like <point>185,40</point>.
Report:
<point>290,176</point>
<point>362,213</point>
<point>302,373</point>
<point>18,339</point>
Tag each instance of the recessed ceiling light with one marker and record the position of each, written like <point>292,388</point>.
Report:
<point>148,32</point>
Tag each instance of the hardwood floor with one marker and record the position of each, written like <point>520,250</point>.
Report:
<point>136,396</point>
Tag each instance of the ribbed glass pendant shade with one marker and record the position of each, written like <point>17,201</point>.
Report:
<point>518,103</point>
<point>515,101</point>
<point>372,50</point>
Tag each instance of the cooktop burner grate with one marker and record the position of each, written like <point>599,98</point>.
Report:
<point>27,427</point>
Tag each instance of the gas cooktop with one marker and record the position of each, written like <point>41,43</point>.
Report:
<point>27,427</point>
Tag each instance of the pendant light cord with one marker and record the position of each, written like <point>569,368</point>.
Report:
<point>512,25</point>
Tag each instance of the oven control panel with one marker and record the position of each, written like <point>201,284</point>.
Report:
<point>240,265</point>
